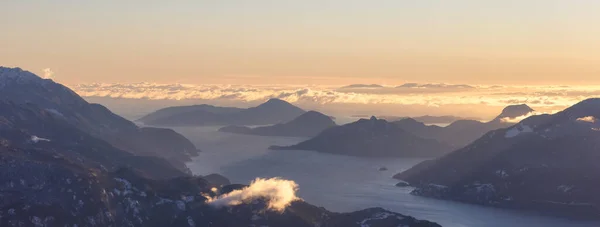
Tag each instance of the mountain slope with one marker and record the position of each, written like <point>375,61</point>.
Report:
<point>52,174</point>
<point>463,132</point>
<point>38,131</point>
<point>271,112</point>
<point>546,162</point>
<point>308,124</point>
<point>23,87</point>
<point>169,111</point>
<point>371,138</point>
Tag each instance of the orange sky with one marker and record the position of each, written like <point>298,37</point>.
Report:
<point>314,42</point>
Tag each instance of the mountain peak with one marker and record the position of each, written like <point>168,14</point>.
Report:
<point>586,107</point>
<point>514,111</point>
<point>276,101</point>
<point>18,75</point>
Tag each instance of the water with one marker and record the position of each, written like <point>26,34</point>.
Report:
<point>343,183</point>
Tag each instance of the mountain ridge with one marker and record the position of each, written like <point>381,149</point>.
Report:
<point>272,111</point>
<point>306,125</point>
<point>545,163</point>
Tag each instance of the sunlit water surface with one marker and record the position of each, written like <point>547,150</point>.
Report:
<point>343,183</point>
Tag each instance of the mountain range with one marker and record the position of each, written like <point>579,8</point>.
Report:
<point>545,163</point>
<point>462,132</point>
<point>371,138</point>
<point>66,162</point>
<point>308,124</point>
<point>273,111</point>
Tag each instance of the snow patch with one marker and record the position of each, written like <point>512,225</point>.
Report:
<point>36,139</point>
<point>501,173</point>
<point>565,188</point>
<point>55,112</point>
<point>378,216</point>
<point>517,130</point>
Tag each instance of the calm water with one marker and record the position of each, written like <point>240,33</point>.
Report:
<point>342,183</point>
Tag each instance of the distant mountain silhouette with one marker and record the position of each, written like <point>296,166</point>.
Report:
<point>545,162</point>
<point>23,87</point>
<point>172,111</point>
<point>417,85</point>
<point>463,132</point>
<point>514,111</point>
<point>271,112</point>
<point>308,124</point>
<point>362,86</point>
<point>371,138</point>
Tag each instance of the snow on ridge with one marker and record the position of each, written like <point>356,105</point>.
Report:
<point>18,75</point>
<point>55,112</point>
<point>517,130</point>
<point>37,139</point>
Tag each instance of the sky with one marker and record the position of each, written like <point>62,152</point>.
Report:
<point>319,42</point>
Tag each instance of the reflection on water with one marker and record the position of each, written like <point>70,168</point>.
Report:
<point>342,183</point>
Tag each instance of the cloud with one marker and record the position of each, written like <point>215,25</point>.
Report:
<point>519,118</point>
<point>48,73</point>
<point>539,97</point>
<point>278,193</point>
<point>590,119</point>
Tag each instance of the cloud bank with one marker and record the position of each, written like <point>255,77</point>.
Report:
<point>431,95</point>
<point>278,193</point>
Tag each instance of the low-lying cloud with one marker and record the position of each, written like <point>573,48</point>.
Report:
<point>48,73</point>
<point>278,194</point>
<point>520,118</point>
<point>589,119</point>
<point>431,95</point>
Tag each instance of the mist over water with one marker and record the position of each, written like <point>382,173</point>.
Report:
<point>343,183</point>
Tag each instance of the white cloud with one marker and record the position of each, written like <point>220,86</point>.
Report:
<point>278,193</point>
<point>48,73</point>
<point>590,119</point>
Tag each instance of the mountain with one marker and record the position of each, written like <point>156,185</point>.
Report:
<point>23,87</point>
<point>513,111</point>
<point>436,86</point>
<point>427,119</point>
<point>271,112</point>
<point>371,138</point>
<point>308,124</point>
<point>170,111</point>
<point>55,170</point>
<point>41,135</point>
<point>362,86</point>
<point>546,163</point>
<point>462,132</point>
